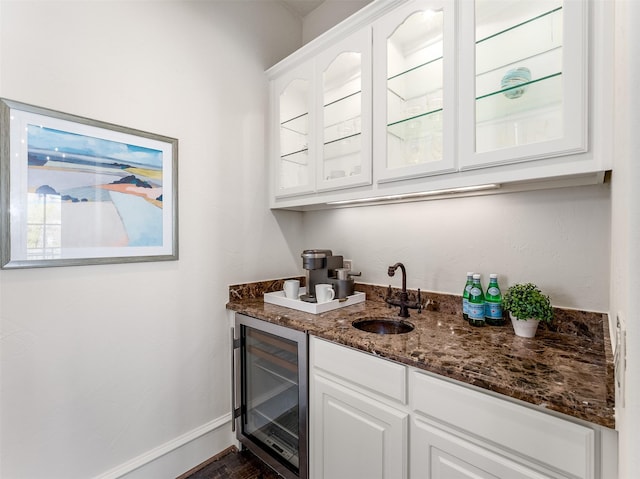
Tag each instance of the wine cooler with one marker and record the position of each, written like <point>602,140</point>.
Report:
<point>270,393</point>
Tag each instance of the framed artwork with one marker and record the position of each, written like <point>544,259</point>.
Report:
<point>75,191</point>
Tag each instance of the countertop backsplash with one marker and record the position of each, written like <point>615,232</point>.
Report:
<point>587,324</point>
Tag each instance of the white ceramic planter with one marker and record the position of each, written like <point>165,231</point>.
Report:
<point>524,328</point>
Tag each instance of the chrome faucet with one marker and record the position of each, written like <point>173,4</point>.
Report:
<point>403,302</point>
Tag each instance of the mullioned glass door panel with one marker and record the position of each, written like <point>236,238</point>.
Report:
<point>519,89</point>
<point>528,79</point>
<point>345,100</point>
<point>415,76</point>
<point>294,156</point>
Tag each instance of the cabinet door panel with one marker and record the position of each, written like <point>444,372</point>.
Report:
<point>414,57</point>
<point>522,99</point>
<point>354,436</point>
<point>344,105</point>
<point>294,152</point>
<point>564,445</point>
<point>436,454</point>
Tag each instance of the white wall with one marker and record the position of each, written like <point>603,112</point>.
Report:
<point>625,232</point>
<point>107,367</point>
<point>558,239</point>
<point>328,14</point>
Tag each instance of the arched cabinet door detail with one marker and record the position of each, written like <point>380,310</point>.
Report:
<point>415,91</point>
<point>344,103</point>
<point>293,119</point>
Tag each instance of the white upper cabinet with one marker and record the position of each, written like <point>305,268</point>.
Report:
<point>414,91</point>
<point>322,112</point>
<point>414,97</point>
<point>523,74</point>
<point>344,105</point>
<point>292,123</point>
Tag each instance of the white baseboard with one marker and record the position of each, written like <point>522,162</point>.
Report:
<point>177,456</point>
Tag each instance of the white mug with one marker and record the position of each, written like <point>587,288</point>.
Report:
<point>324,293</point>
<point>291,288</point>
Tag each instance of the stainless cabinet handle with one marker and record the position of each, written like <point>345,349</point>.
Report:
<point>233,382</point>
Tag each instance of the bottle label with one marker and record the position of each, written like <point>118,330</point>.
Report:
<point>475,291</point>
<point>465,306</point>
<point>493,310</point>
<point>493,291</point>
<point>476,311</point>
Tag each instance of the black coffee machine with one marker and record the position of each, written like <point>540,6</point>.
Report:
<point>323,267</point>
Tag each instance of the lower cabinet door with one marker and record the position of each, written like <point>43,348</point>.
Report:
<point>437,454</point>
<point>354,436</point>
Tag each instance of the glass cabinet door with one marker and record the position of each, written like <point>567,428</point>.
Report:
<point>414,123</point>
<point>529,81</point>
<point>345,113</point>
<point>295,162</point>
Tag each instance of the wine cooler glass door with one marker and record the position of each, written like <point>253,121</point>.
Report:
<point>272,416</point>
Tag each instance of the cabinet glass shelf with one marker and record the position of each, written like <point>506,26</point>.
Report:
<point>343,99</point>
<point>346,128</point>
<point>294,138</point>
<point>298,124</point>
<point>300,157</point>
<point>538,94</point>
<point>525,22</point>
<point>514,45</point>
<point>342,147</point>
<point>535,116</point>
<point>416,127</point>
<point>342,118</point>
<point>421,81</point>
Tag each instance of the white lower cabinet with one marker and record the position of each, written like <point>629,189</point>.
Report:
<point>377,419</point>
<point>355,428</point>
<point>536,440</point>
<point>437,454</point>
<point>355,436</point>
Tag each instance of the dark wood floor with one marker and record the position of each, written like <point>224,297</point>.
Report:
<point>232,464</point>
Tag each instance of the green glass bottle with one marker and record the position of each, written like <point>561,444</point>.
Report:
<point>476,302</point>
<point>465,296</point>
<point>493,302</point>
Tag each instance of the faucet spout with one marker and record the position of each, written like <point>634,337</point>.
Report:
<point>392,271</point>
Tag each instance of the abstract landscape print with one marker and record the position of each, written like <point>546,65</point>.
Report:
<point>87,192</point>
<point>104,193</point>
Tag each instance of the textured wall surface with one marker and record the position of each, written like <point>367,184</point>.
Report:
<point>558,239</point>
<point>102,364</point>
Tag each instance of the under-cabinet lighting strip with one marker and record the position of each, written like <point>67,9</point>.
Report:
<point>448,191</point>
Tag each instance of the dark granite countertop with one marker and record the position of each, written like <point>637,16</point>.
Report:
<point>567,367</point>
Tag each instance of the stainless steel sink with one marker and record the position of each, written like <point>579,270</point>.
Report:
<point>383,325</point>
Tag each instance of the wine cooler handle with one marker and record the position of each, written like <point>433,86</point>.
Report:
<point>233,382</point>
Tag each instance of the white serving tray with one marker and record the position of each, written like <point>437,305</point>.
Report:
<point>279,298</point>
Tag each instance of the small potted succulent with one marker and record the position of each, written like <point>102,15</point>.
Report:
<point>527,306</point>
